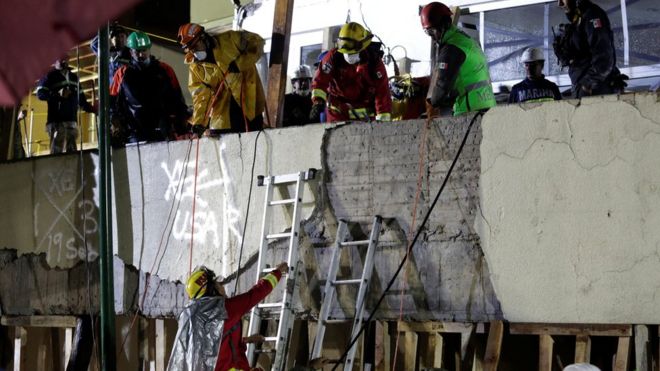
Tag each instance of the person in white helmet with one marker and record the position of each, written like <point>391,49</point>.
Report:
<point>298,104</point>
<point>581,367</point>
<point>535,87</point>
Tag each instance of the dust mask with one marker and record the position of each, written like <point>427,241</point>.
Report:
<point>200,55</point>
<point>352,58</point>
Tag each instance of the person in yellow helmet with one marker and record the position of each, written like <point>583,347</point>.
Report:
<point>351,81</point>
<point>223,80</point>
<point>209,336</point>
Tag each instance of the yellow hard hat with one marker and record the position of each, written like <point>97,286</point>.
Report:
<point>198,282</point>
<point>353,38</point>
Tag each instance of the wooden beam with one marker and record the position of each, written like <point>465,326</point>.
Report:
<point>494,345</point>
<point>622,354</point>
<point>20,339</point>
<point>642,348</point>
<point>39,321</point>
<point>582,349</point>
<point>545,352</point>
<point>569,329</point>
<point>161,345</point>
<point>443,327</point>
<point>279,60</point>
<point>68,341</point>
<point>409,351</point>
<point>468,340</point>
<point>432,354</point>
<point>382,353</point>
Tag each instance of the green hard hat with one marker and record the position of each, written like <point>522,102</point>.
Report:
<point>138,40</point>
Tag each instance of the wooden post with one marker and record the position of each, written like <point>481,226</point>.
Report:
<point>161,346</point>
<point>383,354</point>
<point>582,349</point>
<point>20,338</point>
<point>468,340</point>
<point>68,340</point>
<point>431,355</point>
<point>494,345</point>
<point>409,351</point>
<point>545,352</point>
<point>622,352</point>
<point>641,348</point>
<point>56,349</point>
<point>279,60</point>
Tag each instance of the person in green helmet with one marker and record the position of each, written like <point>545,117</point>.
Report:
<point>146,99</point>
<point>460,74</point>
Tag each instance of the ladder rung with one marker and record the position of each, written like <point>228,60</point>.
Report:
<point>355,243</point>
<point>282,202</point>
<point>347,282</point>
<point>278,235</point>
<point>270,338</point>
<point>331,321</point>
<point>264,350</point>
<point>270,305</point>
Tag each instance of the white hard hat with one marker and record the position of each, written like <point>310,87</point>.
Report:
<point>581,367</point>
<point>302,72</point>
<point>532,55</point>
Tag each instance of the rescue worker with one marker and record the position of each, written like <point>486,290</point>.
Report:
<point>351,80</point>
<point>210,335</point>
<point>146,100</point>
<point>119,54</point>
<point>60,89</point>
<point>225,86</point>
<point>535,87</point>
<point>460,72</point>
<point>586,46</point>
<point>298,104</point>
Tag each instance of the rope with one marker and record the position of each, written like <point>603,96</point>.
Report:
<point>419,232</point>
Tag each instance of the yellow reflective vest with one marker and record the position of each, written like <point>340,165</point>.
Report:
<point>212,85</point>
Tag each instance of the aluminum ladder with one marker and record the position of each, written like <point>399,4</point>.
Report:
<point>331,283</point>
<point>283,307</point>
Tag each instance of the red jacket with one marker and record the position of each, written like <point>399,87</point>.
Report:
<point>232,338</point>
<point>349,87</point>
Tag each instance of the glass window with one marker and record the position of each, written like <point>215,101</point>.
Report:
<point>644,32</point>
<point>309,54</point>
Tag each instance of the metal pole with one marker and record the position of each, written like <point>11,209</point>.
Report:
<point>108,352</point>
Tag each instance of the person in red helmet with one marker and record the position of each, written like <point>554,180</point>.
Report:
<point>351,81</point>
<point>460,75</point>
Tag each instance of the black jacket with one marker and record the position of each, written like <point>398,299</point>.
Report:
<point>592,65</point>
<point>53,86</point>
<point>296,109</point>
<point>538,90</point>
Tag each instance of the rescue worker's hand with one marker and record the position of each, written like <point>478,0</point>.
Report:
<point>283,267</point>
<point>317,109</point>
<point>254,339</point>
<point>197,130</point>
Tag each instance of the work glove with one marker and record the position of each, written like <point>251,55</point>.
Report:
<point>317,109</point>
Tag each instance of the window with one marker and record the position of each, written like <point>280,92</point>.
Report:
<point>309,54</point>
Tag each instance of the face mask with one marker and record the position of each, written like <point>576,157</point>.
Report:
<point>352,58</point>
<point>200,55</point>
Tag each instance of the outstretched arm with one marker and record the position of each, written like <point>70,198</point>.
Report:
<point>238,305</point>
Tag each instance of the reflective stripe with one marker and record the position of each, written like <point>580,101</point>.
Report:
<point>318,93</point>
<point>477,85</point>
<point>271,278</point>
<point>384,117</point>
<point>358,113</point>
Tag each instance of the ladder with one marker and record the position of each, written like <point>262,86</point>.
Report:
<point>283,309</point>
<point>331,283</point>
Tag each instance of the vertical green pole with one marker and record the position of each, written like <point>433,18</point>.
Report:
<point>108,351</point>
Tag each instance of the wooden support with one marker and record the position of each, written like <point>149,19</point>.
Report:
<point>279,60</point>
<point>162,356</point>
<point>39,321</point>
<point>642,348</point>
<point>582,349</point>
<point>56,348</point>
<point>68,341</point>
<point>383,353</point>
<point>494,345</point>
<point>569,329</point>
<point>468,340</point>
<point>545,352</point>
<point>443,327</point>
<point>622,354</point>
<point>409,351</point>
<point>431,352</point>
<point>20,339</point>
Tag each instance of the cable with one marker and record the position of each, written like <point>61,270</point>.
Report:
<point>408,251</point>
<point>247,212</point>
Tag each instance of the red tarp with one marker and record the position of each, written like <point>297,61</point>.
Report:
<point>33,33</point>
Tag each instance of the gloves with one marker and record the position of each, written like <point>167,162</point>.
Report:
<point>317,109</point>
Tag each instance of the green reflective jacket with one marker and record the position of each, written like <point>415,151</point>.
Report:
<point>473,82</point>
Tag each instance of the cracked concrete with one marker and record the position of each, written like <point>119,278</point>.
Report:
<point>569,207</point>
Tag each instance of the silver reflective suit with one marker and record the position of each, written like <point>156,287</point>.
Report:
<point>198,338</point>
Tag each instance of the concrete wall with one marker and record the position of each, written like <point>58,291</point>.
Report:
<point>550,217</point>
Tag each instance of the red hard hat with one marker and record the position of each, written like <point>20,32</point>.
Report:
<point>434,15</point>
<point>189,33</point>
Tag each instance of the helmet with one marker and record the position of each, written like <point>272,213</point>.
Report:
<point>302,72</point>
<point>581,367</point>
<point>353,38</point>
<point>435,15</point>
<point>532,55</point>
<point>189,33</point>
<point>320,58</point>
<point>198,282</point>
<point>138,40</point>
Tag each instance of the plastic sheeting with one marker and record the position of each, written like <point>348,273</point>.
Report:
<point>198,338</point>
